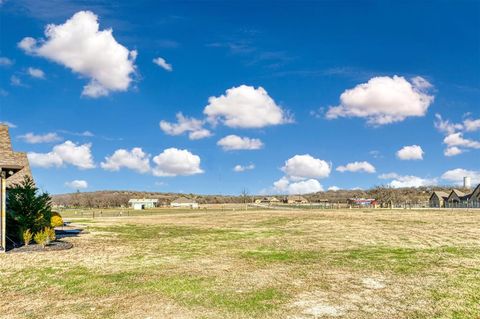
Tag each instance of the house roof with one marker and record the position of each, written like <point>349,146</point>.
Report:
<point>296,198</point>
<point>17,161</point>
<point>142,200</point>
<point>184,200</point>
<point>22,160</point>
<point>476,192</point>
<point>458,193</point>
<point>461,195</point>
<point>440,194</point>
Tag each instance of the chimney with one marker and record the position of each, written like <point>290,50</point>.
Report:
<point>467,182</point>
<point>5,144</point>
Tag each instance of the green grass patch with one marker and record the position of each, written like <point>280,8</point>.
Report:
<point>456,296</point>
<point>146,232</point>
<point>185,289</point>
<point>399,259</point>
<point>274,222</point>
<point>257,301</point>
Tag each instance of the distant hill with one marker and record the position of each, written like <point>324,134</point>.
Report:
<point>120,198</point>
<point>100,199</point>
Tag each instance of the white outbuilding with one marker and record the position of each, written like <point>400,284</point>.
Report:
<point>143,203</point>
<point>184,202</point>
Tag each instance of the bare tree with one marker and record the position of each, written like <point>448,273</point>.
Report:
<point>244,197</point>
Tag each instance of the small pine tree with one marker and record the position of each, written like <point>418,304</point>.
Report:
<point>27,209</point>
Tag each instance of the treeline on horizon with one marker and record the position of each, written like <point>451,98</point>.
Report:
<point>111,199</point>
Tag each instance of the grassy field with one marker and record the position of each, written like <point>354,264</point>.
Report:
<point>255,264</point>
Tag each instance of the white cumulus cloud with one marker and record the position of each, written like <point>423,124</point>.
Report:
<point>445,126</point>
<point>136,160</point>
<point>245,107</point>
<point>305,187</point>
<point>334,188</point>
<point>161,62</point>
<point>454,139</point>
<point>234,142</point>
<point>301,175</point>
<point>388,176</point>
<point>4,61</point>
<point>173,162</point>
<point>452,151</point>
<point>401,181</point>
<point>471,125</point>
<point>79,45</point>
<point>285,186</point>
<point>357,167</point>
<point>306,166</point>
<point>45,160</point>
<point>242,168</point>
<point>27,44</point>
<point>62,154</point>
<point>457,139</point>
<point>384,100</point>
<point>199,134</point>
<point>185,124</point>
<point>16,81</point>
<point>36,73</point>
<point>77,184</point>
<point>456,176</point>
<point>32,138</point>
<point>412,152</point>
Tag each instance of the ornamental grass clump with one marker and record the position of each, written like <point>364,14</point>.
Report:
<point>41,238</point>
<point>45,236</point>
<point>50,233</point>
<point>27,237</point>
<point>56,220</point>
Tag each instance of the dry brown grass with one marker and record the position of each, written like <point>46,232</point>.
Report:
<point>255,264</point>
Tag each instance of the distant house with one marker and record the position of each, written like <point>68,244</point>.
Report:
<point>143,203</point>
<point>14,168</point>
<point>362,202</point>
<point>295,199</point>
<point>273,200</point>
<point>456,199</point>
<point>184,202</point>
<point>474,198</point>
<point>438,199</point>
<point>267,200</point>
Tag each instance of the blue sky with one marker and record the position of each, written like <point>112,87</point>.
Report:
<point>390,88</point>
